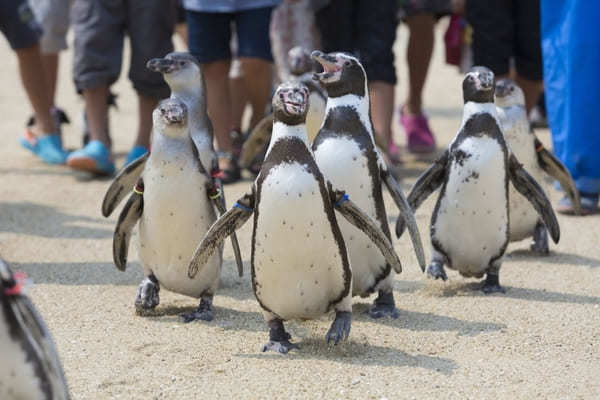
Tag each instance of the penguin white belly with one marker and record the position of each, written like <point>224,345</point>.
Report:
<point>298,269</point>
<point>344,164</point>
<point>471,221</point>
<point>177,214</point>
<point>523,216</point>
<point>315,115</point>
<point>17,374</point>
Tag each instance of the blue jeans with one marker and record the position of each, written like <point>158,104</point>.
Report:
<point>571,54</point>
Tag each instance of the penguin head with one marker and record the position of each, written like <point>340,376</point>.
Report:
<point>478,85</point>
<point>342,74</point>
<point>170,118</point>
<point>180,70</point>
<point>300,62</point>
<point>290,103</point>
<point>508,93</point>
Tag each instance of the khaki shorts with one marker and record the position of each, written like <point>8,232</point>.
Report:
<point>100,27</point>
<point>53,16</point>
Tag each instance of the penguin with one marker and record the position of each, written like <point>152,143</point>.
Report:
<point>524,220</point>
<point>346,153</point>
<point>184,76</point>
<point>30,366</point>
<point>172,207</point>
<point>470,223</point>
<point>302,68</point>
<point>300,265</point>
<point>182,73</point>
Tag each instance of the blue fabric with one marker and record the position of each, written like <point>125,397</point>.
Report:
<point>135,153</point>
<point>228,6</point>
<point>48,148</point>
<point>571,54</point>
<point>99,154</point>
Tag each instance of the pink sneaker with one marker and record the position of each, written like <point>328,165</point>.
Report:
<point>419,136</point>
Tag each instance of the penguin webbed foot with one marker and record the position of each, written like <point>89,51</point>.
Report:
<point>147,297</point>
<point>203,312</point>
<point>279,339</point>
<point>340,328</point>
<point>539,245</point>
<point>383,306</point>
<point>435,270</point>
<point>492,284</point>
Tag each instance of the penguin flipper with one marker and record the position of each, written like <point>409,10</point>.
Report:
<point>221,206</point>
<point>260,135</point>
<point>533,192</point>
<point>406,215</point>
<point>35,332</point>
<point>132,211</point>
<point>427,183</point>
<point>556,169</point>
<point>226,225</point>
<point>122,184</point>
<point>362,221</point>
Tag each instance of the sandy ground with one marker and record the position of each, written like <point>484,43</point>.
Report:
<point>539,340</point>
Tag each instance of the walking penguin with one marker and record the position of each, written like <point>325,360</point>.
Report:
<point>174,203</point>
<point>300,266</point>
<point>345,152</point>
<point>524,220</point>
<point>470,222</point>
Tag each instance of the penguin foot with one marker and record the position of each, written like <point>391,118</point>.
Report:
<point>383,306</point>
<point>435,270</point>
<point>282,347</point>
<point>340,328</point>
<point>492,285</point>
<point>539,245</point>
<point>203,312</point>
<point>147,295</point>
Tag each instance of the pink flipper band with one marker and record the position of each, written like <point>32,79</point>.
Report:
<point>17,289</point>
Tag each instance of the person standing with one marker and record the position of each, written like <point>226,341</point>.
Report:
<point>571,53</point>
<point>23,33</point>
<point>99,27</point>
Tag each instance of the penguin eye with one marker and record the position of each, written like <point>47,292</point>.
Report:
<point>347,63</point>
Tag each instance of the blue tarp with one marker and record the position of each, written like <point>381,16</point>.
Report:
<point>571,53</point>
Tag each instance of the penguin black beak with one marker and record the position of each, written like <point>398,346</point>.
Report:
<point>162,65</point>
<point>332,66</point>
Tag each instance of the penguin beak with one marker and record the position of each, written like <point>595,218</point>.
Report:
<point>332,66</point>
<point>295,101</point>
<point>173,114</point>
<point>162,65</point>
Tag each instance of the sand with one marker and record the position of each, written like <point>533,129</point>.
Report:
<point>539,340</point>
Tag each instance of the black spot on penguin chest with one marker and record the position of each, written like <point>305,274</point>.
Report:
<point>478,125</point>
<point>344,122</point>
<point>293,150</point>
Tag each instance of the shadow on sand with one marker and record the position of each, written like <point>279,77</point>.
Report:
<point>521,294</point>
<point>554,258</point>
<point>80,273</point>
<point>352,352</point>
<point>35,219</point>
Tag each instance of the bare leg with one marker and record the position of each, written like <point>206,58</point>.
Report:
<point>219,103</point>
<point>96,108</point>
<point>259,75</point>
<point>182,31</point>
<point>531,89</point>
<point>418,56</point>
<point>35,86</point>
<point>382,110</point>
<point>145,107</point>
<point>50,65</point>
<point>239,97</point>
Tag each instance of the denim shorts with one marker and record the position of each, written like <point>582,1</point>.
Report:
<point>209,34</point>
<point>18,24</point>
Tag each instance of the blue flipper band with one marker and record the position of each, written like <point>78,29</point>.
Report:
<point>342,200</point>
<point>242,207</point>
